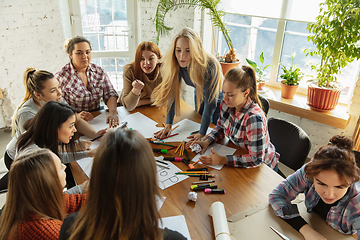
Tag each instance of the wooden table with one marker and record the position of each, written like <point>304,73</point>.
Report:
<point>245,188</point>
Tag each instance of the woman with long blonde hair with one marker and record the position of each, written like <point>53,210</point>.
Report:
<point>121,200</point>
<point>36,205</point>
<point>186,59</point>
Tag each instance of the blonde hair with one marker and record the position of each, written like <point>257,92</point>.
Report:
<point>34,82</point>
<point>169,90</point>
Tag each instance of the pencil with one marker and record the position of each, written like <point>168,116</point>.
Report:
<point>196,162</point>
<point>169,145</point>
<point>164,125</point>
<point>174,128</point>
<point>169,136</point>
<point>172,148</point>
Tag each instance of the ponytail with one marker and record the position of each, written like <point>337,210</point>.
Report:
<point>244,78</point>
<point>34,82</point>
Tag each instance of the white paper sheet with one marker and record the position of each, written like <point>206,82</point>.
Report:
<point>86,163</point>
<point>186,127</point>
<point>177,223</point>
<point>167,177</point>
<point>219,149</point>
<point>144,125</point>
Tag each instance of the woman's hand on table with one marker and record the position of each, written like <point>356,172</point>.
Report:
<point>100,133</point>
<point>86,116</point>
<point>213,159</point>
<point>194,138</point>
<point>310,234</point>
<point>203,144</point>
<point>137,87</point>
<point>166,131</point>
<point>112,120</point>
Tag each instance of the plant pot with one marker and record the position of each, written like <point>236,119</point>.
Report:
<point>260,85</point>
<point>287,91</point>
<point>227,66</point>
<point>322,98</point>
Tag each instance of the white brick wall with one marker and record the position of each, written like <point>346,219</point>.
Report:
<point>32,34</point>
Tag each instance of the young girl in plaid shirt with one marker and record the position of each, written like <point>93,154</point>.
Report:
<point>243,122</point>
<point>330,184</point>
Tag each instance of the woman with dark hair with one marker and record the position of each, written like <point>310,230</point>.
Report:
<point>141,76</point>
<point>53,127</point>
<point>117,208</point>
<point>36,205</point>
<point>330,184</point>
<point>243,122</point>
<point>83,83</point>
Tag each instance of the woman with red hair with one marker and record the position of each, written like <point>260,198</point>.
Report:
<point>141,76</point>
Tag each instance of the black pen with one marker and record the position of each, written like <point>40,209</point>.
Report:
<point>94,139</point>
<point>162,162</point>
<point>195,132</point>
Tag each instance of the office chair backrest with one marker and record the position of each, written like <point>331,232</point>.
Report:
<point>290,141</point>
<point>265,104</point>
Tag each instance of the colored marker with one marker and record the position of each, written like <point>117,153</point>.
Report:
<point>123,124</point>
<point>176,159</point>
<point>187,163</point>
<point>201,182</point>
<point>198,169</point>
<point>219,191</point>
<point>162,162</point>
<point>203,188</point>
<point>195,132</point>
<point>159,150</point>
<point>200,185</point>
<point>94,139</point>
<point>188,160</point>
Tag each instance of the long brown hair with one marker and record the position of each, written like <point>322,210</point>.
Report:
<point>168,90</point>
<point>146,45</point>
<point>34,82</point>
<point>244,78</point>
<point>34,188</point>
<point>337,156</point>
<point>121,198</point>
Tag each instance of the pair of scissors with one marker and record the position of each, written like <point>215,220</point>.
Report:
<point>280,234</point>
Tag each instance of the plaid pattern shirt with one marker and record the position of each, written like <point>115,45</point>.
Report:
<point>75,92</point>
<point>344,217</point>
<point>247,129</point>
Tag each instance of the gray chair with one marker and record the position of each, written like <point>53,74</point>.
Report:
<point>290,141</point>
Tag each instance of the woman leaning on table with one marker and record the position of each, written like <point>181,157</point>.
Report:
<point>330,184</point>
<point>187,59</point>
<point>141,76</point>
<point>84,84</point>
<point>121,203</point>
<point>243,121</point>
<point>36,205</point>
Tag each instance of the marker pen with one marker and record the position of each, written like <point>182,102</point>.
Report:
<point>176,159</point>
<point>159,150</point>
<point>220,191</point>
<point>203,188</point>
<point>94,139</point>
<point>195,132</point>
<point>187,163</point>
<point>123,124</point>
<point>200,185</point>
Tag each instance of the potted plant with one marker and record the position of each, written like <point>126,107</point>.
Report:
<point>335,35</point>
<point>291,79</point>
<point>259,70</point>
<point>229,60</point>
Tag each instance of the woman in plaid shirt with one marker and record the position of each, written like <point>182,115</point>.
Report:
<point>243,122</point>
<point>331,188</point>
<point>84,84</point>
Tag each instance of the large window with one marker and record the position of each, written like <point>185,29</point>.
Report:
<point>277,36</point>
<point>108,26</point>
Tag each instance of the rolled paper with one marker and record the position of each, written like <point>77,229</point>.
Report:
<point>221,228</point>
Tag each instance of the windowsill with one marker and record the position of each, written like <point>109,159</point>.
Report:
<point>297,106</point>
